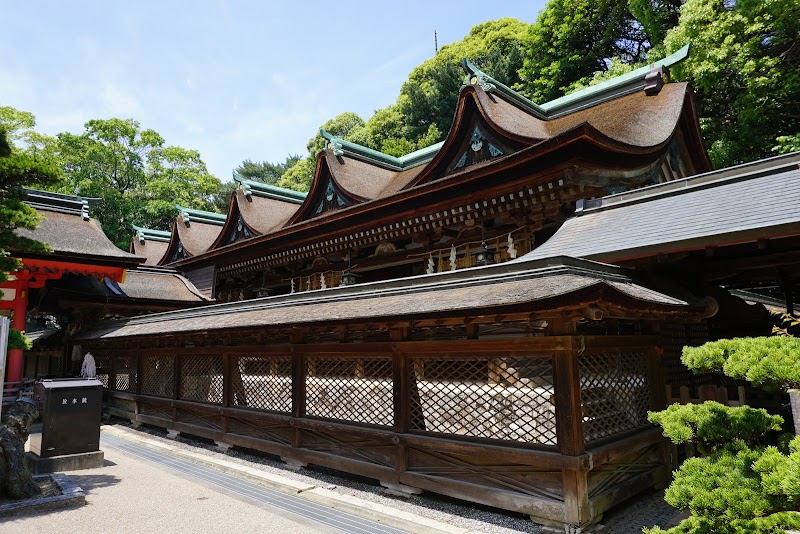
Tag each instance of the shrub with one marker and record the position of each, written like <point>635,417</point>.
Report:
<point>772,363</point>
<point>712,425</point>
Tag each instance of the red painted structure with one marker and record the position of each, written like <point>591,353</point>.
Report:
<point>33,274</point>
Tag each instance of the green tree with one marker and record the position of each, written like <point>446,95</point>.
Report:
<point>300,175</point>
<point>136,175</point>
<point>745,69</point>
<point>424,109</point>
<point>739,485</point>
<point>269,173</point>
<point>573,39</point>
<point>19,166</point>
<point>430,95</point>
<point>222,200</point>
<point>657,17</point>
<point>787,144</point>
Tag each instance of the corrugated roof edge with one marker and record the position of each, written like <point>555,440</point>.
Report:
<point>590,96</point>
<point>260,189</point>
<point>153,235</point>
<point>412,159</point>
<point>737,173</point>
<point>208,217</point>
<point>490,274</point>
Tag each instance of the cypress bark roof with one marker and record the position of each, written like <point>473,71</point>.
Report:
<point>69,231</point>
<point>742,203</point>
<point>523,286</point>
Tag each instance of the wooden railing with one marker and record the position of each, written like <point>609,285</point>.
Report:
<point>447,416</point>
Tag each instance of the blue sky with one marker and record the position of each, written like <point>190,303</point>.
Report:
<point>232,79</point>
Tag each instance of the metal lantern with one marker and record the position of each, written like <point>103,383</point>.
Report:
<point>483,256</point>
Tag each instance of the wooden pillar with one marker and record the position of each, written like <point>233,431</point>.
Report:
<point>569,424</point>
<point>298,385</point>
<point>14,365</point>
<point>788,295</point>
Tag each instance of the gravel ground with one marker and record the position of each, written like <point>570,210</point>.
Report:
<point>647,510</point>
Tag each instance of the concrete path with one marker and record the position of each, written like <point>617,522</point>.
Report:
<point>154,485</point>
<point>132,494</point>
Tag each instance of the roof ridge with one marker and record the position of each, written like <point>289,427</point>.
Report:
<point>260,189</point>
<point>412,159</point>
<point>208,217</point>
<point>148,233</point>
<point>589,96</point>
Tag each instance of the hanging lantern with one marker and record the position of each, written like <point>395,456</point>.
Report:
<point>483,255</point>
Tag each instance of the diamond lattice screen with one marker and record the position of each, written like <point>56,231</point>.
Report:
<point>201,378</point>
<point>125,373</point>
<point>103,364</point>
<point>498,398</point>
<point>351,389</point>
<point>264,383</point>
<point>157,375</point>
<point>614,393</point>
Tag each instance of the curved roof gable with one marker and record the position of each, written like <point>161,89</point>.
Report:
<point>257,208</point>
<point>632,110</point>
<point>326,193</point>
<point>193,232</point>
<point>152,244</point>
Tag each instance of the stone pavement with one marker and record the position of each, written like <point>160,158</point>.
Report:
<point>131,493</point>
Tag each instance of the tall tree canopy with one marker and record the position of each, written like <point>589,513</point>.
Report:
<point>267,172</point>
<point>429,96</point>
<point>573,39</point>
<point>745,69</point>
<point>138,177</point>
<point>424,109</point>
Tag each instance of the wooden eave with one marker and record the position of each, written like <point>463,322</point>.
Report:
<point>564,307</point>
<point>552,155</point>
<point>85,259</point>
<point>693,136</point>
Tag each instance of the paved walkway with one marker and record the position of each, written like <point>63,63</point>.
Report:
<point>133,495</point>
<point>152,485</point>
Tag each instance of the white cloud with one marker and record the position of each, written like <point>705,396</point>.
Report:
<point>118,102</point>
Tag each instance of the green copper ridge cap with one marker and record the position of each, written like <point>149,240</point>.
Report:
<point>475,76</point>
<point>590,96</point>
<point>260,189</point>
<point>342,147</point>
<point>143,234</point>
<point>207,217</point>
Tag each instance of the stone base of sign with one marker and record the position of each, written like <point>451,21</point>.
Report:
<point>71,496</point>
<point>67,462</point>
